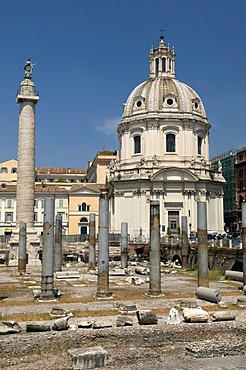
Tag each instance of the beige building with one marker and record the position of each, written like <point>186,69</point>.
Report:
<point>75,197</point>
<point>8,171</point>
<point>99,168</point>
<point>8,206</point>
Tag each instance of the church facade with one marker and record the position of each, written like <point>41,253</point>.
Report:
<point>164,155</point>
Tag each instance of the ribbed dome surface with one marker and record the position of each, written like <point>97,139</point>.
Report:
<point>164,96</point>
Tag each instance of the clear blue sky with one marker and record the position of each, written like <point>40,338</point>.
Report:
<point>90,54</point>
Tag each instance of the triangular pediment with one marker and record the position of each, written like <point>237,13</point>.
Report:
<point>87,188</point>
<point>174,174</point>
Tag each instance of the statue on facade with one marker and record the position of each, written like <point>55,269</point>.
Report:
<point>28,68</point>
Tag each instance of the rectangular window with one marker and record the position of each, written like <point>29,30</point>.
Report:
<point>9,203</point>
<point>60,203</point>
<point>36,203</point>
<point>240,173</point>
<point>199,148</point>
<point>35,217</point>
<point>137,144</point>
<point>9,217</point>
<point>170,143</point>
<point>4,170</point>
<point>173,220</point>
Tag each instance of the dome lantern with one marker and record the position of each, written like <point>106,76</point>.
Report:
<point>162,61</point>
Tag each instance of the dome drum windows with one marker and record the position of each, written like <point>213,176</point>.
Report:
<point>170,139</point>
<point>137,138</point>
<point>139,103</point>
<point>170,143</point>
<point>137,144</point>
<point>170,101</point>
<point>199,145</point>
<point>196,105</point>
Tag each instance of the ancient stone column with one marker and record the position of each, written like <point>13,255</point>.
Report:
<point>22,248</point>
<point>47,279</point>
<point>154,254</point>
<point>27,99</point>
<point>124,245</point>
<point>103,249</point>
<point>184,242</point>
<point>58,244</point>
<point>202,252</point>
<point>92,242</point>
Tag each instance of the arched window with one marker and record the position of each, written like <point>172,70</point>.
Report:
<point>199,145</point>
<point>170,143</point>
<point>156,66</point>
<point>83,219</point>
<point>163,64</point>
<point>83,206</point>
<point>137,144</point>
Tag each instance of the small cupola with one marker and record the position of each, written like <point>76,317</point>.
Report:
<point>162,61</point>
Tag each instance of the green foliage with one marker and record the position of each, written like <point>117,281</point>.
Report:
<point>215,275</point>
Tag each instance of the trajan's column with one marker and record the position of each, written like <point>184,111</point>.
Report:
<point>27,99</point>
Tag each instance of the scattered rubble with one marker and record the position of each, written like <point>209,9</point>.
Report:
<point>214,348</point>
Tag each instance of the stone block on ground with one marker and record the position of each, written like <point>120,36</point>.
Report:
<point>88,358</point>
<point>188,304</point>
<point>128,308</point>
<point>141,270</point>
<point>135,280</point>
<point>117,272</point>
<point>241,302</point>
<point>102,324</point>
<point>124,321</point>
<point>195,315</point>
<point>57,311</point>
<point>67,275</point>
<point>223,316</point>
<point>61,324</point>
<point>147,317</point>
<point>222,304</point>
<point>36,327</point>
<point>85,324</point>
<point>9,327</point>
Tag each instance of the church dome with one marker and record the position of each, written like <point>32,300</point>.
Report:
<point>165,96</point>
<point>162,94</point>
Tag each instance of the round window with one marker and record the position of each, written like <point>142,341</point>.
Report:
<point>139,103</point>
<point>170,101</point>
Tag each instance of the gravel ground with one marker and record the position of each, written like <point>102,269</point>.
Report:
<point>138,347</point>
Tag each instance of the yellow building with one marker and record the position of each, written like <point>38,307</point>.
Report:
<point>83,200</point>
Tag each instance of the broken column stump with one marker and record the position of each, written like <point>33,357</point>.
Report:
<point>208,294</point>
<point>89,358</point>
<point>147,317</point>
<point>223,316</point>
<point>37,327</point>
